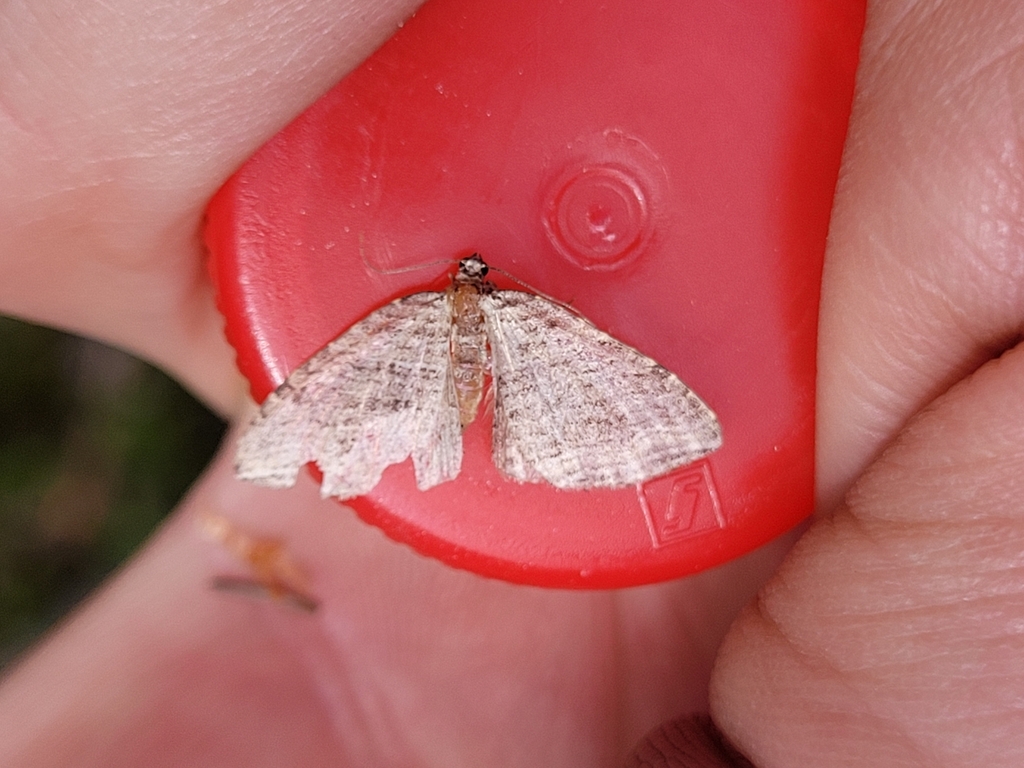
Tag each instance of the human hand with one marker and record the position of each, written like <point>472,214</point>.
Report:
<point>409,662</point>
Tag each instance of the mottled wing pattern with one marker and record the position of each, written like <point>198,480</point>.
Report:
<point>379,392</point>
<point>579,409</point>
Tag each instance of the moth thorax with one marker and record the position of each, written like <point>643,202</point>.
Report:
<point>468,350</point>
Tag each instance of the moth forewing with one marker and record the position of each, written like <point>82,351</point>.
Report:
<point>579,409</point>
<point>373,397</point>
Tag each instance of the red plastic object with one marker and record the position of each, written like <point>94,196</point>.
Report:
<point>667,168</point>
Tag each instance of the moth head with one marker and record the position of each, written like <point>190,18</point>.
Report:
<point>472,269</point>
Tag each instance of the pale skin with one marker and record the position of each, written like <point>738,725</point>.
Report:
<point>890,634</point>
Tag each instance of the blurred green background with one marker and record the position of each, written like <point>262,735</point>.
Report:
<point>96,447</point>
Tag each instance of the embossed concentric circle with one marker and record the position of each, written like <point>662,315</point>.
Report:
<point>598,216</point>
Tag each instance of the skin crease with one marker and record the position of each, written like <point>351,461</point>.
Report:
<point>890,635</point>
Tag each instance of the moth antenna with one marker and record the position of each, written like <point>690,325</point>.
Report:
<point>394,270</point>
<point>564,304</point>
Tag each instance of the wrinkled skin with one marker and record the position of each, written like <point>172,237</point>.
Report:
<point>891,634</point>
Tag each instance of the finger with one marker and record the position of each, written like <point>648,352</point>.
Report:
<point>922,280</point>
<point>892,634</point>
<point>118,121</point>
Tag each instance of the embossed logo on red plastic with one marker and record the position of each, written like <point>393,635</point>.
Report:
<point>681,505</point>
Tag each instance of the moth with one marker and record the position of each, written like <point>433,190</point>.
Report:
<point>573,406</point>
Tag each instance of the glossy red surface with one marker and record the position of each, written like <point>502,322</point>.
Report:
<point>667,168</point>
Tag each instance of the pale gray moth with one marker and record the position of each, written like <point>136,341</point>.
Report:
<point>572,406</point>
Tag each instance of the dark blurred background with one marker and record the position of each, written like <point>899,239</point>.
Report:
<point>96,447</point>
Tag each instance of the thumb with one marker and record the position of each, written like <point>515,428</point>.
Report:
<point>893,633</point>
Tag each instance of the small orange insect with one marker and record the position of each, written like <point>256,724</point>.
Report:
<point>273,571</point>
